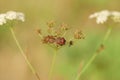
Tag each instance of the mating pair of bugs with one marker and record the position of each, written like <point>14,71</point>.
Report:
<point>60,41</point>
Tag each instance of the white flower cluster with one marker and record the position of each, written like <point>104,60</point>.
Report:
<point>11,15</point>
<point>115,16</point>
<point>102,16</point>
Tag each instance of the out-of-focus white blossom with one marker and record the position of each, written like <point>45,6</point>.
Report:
<point>20,16</point>
<point>11,15</point>
<point>115,16</point>
<point>2,19</point>
<point>101,16</point>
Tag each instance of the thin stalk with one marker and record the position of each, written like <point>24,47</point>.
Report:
<point>95,54</point>
<point>23,54</point>
<point>52,65</point>
<point>107,34</point>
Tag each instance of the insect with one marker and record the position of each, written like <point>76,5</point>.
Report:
<point>70,43</point>
<point>49,39</point>
<point>60,41</point>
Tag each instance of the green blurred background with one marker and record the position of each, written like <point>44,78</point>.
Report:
<point>73,12</point>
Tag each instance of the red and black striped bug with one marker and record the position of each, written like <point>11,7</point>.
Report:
<point>60,41</point>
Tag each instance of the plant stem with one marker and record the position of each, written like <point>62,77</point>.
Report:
<point>52,65</point>
<point>95,54</point>
<point>23,54</point>
<point>107,34</point>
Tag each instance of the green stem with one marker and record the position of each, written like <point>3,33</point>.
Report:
<point>23,54</point>
<point>86,66</point>
<point>107,34</point>
<point>52,65</point>
<point>94,55</point>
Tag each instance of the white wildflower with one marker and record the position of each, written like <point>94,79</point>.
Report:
<point>20,16</point>
<point>101,16</point>
<point>12,15</point>
<point>115,16</point>
<point>115,13</point>
<point>2,19</point>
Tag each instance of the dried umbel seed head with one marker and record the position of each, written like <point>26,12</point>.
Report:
<point>56,35</point>
<point>49,39</point>
<point>50,30</point>
<point>61,30</point>
<point>51,24</point>
<point>58,32</point>
<point>60,41</point>
<point>78,34</point>
<point>64,27</point>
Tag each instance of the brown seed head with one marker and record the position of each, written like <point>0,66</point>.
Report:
<point>58,32</point>
<point>78,34</point>
<point>51,24</point>
<point>64,27</point>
